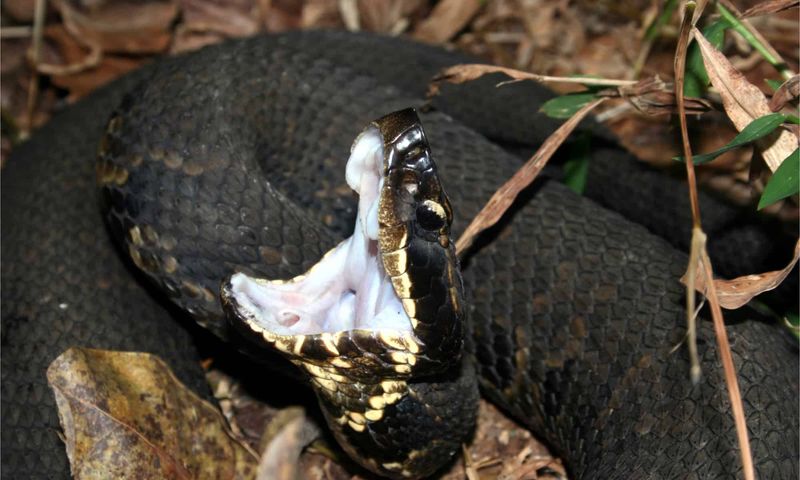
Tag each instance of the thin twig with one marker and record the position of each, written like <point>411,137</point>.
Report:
<point>699,250</point>
<point>609,82</point>
<point>33,85</point>
<point>651,35</point>
<point>465,72</point>
<point>22,31</point>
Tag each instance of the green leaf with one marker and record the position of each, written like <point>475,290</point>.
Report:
<point>655,28</point>
<point>784,182</point>
<point>773,84</point>
<point>793,119</point>
<point>566,105</point>
<point>696,77</point>
<point>758,128</point>
<point>576,169</point>
<point>741,29</point>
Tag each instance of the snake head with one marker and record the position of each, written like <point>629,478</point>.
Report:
<point>381,310</point>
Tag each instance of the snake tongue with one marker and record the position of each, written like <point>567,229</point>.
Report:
<point>348,288</point>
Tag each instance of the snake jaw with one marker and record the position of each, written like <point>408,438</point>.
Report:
<point>348,289</point>
<point>386,302</point>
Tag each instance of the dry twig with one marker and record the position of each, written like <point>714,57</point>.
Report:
<point>699,251</point>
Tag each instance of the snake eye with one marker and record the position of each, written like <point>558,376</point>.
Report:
<point>431,215</point>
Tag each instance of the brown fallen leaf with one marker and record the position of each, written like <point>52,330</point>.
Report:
<point>125,415</point>
<point>291,432</point>
<point>447,18</point>
<point>320,14</point>
<point>788,91</point>
<point>82,69</point>
<point>122,27</point>
<point>386,16</point>
<point>77,57</point>
<point>280,15</point>
<point>20,10</point>
<point>230,18</point>
<point>500,448</point>
<point>652,96</point>
<point>744,102</point>
<point>734,293</point>
<point>769,6</point>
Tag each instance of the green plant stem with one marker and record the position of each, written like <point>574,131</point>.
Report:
<point>740,28</point>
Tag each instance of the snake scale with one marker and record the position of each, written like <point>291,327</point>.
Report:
<point>573,310</point>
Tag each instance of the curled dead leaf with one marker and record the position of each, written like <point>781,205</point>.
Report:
<point>125,415</point>
<point>652,96</point>
<point>734,293</point>
<point>286,437</point>
<point>788,91</point>
<point>320,14</point>
<point>769,6</point>
<point>446,19</point>
<point>230,19</point>
<point>744,102</point>
<point>122,27</point>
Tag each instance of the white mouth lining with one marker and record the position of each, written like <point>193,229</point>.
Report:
<point>348,289</point>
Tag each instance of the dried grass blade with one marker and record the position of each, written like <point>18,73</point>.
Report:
<point>699,250</point>
<point>505,195</point>
<point>470,71</point>
<point>738,291</point>
<point>768,7</point>
<point>446,19</point>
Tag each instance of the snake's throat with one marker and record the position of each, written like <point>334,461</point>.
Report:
<point>348,289</point>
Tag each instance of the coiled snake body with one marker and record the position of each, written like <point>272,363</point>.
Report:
<point>572,309</point>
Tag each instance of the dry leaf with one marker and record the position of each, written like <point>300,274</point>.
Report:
<point>20,10</point>
<point>467,72</point>
<point>385,16</point>
<point>229,18</point>
<point>77,57</point>
<point>292,431</point>
<point>654,97</point>
<point>84,70</point>
<point>320,14</point>
<point>500,448</point>
<point>788,91</point>
<point>125,415</point>
<point>744,102</point>
<point>281,15</point>
<point>734,293</point>
<point>122,27</point>
<point>769,6</point>
<point>446,19</point>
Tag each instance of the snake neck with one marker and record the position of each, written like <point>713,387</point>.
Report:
<point>402,429</point>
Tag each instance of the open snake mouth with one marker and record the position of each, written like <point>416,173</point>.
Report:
<point>389,297</point>
<point>348,288</point>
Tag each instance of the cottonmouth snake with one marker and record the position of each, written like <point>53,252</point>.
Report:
<point>572,309</point>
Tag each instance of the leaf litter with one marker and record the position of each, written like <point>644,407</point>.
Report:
<point>560,38</point>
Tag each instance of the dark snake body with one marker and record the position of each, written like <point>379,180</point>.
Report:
<point>573,310</point>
